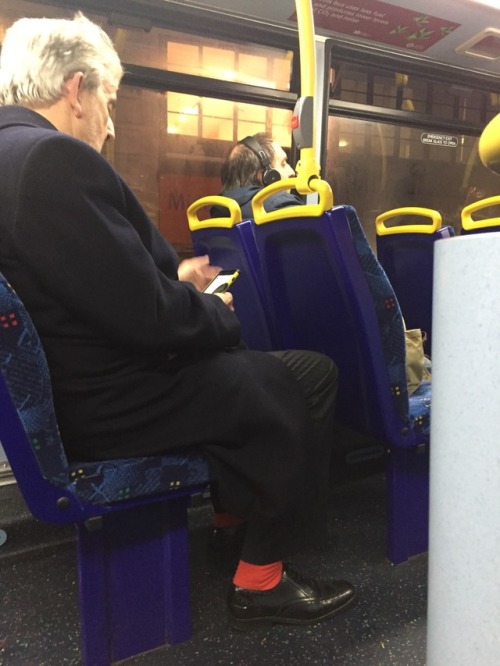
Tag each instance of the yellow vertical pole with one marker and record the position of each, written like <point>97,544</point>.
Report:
<point>303,120</point>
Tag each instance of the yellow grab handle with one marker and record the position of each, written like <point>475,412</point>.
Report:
<point>226,222</point>
<point>469,223</point>
<point>434,215</point>
<point>325,201</point>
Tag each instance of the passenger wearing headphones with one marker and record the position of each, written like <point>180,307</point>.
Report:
<point>254,163</point>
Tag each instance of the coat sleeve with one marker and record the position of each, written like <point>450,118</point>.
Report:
<point>87,241</point>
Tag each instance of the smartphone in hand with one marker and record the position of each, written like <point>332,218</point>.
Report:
<point>221,282</point>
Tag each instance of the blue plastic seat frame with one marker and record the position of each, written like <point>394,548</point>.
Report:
<point>478,229</point>
<point>235,247</point>
<point>329,293</point>
<point>408,260</point>
<point>130,514</point>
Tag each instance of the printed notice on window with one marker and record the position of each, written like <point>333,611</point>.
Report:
<point>381,22</point>
<point>439,139</point>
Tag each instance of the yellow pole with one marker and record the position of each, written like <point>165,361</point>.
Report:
<point>305,23</point>
<point>304,115</point>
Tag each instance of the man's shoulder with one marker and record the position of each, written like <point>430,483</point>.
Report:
<point>243,194</point>
<point>21,124</point>
<point>26,135</point>
<point>20,118</point>
<point>243,197</point>
<point>282,200</point>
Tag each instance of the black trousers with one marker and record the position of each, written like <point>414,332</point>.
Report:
<point>264,421</point>
<point>278,478</point>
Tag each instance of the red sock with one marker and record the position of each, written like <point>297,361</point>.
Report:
<point>224,519</point>
<point>258,576</point>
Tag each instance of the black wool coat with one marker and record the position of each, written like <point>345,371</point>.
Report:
<point>101,286</point>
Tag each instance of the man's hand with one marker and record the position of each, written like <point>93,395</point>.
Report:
<point>198,271</point>
<point>227,297</point>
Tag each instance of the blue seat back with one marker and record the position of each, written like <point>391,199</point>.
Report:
<point>236,248</point>
<point>478,229</point>
<point>26,380</point>
<point>329,293</point>
<point>408,260</point>
<point>230,243</point>
<point>55,489</point>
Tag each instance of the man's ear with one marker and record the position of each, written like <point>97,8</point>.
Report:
<point>73,87</point>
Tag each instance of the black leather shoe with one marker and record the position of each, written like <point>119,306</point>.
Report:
<point>295,600</point>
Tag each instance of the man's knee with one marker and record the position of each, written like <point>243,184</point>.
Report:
<point>313,370</point>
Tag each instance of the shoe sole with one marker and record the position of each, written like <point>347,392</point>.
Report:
<point>247,624</point>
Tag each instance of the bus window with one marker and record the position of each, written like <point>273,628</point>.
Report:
<point>379,166</point>
<point>170,147</point>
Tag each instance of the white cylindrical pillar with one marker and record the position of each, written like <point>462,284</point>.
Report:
<point>464,546</point>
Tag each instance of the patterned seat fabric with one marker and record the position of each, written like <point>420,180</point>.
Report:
<point>121,479</point>
<point>388,315</point>
<point>24,367</point>
<point>420,409</point>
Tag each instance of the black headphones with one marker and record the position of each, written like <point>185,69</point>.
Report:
<point>269,175</point>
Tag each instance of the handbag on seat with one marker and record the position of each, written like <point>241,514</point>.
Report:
<point>416,362</point>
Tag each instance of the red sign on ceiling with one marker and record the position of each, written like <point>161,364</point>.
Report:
<point>381,22</point>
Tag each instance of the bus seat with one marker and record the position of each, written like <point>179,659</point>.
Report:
<point>230,243</point>
<point>479,225</point>
<point>406,252</point>
<point>130,514</point>
<point>329,293</point>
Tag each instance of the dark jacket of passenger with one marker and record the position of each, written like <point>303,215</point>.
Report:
<point>100,284</point>
<point>244,195</point>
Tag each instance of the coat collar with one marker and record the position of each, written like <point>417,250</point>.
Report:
<point>15,116</point>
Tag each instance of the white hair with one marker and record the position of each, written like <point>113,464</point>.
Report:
<point>39,55</point>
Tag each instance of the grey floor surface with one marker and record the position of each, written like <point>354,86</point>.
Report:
<point>39,617</point>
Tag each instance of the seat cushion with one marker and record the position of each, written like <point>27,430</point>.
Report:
<point>122,479</point>
<point>420,409</point>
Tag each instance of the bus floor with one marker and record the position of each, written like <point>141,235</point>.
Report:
<point>39,623</point>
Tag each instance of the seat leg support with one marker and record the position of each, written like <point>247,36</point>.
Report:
<point>134,582</point>
<point>407,483</point>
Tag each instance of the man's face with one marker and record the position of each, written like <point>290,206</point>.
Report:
<point>280,162</point>
<point>97,125</point>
